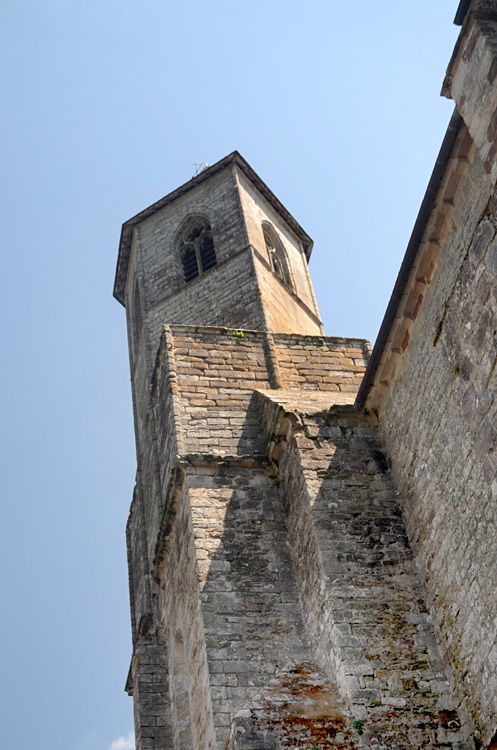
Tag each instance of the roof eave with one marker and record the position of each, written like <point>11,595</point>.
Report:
<point>462,9</point>
<point>410,256</point>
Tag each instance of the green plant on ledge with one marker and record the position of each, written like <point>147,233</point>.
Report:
<point>358,725</point>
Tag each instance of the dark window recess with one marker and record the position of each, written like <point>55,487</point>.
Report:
<point>136,312</point>
<point>276,254</point>
<point>197,249</point>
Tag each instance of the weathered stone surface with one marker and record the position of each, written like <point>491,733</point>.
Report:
<point>297,708</point>
<point>435,398</point>
<point>362,603</point>
<point>283,545</point>
<point>304,574</point>
<point>443,457</point>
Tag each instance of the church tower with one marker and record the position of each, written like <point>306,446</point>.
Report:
<point>273,597</point>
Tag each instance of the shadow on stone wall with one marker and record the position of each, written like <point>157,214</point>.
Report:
<point>331,525</point>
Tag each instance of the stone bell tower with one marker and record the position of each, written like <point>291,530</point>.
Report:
<point>226,222</point>
<point>273,599</point>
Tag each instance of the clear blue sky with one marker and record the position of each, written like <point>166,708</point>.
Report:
<point>106,106</point>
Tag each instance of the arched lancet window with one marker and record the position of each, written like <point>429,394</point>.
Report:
<point>276,254</point>
<point>136,316</point>
<point>181,696</point>
<point>196,248</point>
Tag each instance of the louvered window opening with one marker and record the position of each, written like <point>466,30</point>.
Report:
<point>274,256</point>
<point>197,250</point>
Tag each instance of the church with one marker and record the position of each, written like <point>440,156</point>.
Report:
<point>312,534</point>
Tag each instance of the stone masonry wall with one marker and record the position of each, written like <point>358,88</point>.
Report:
<point>362,605</point>
<point>275,579</point>
<point>256,211</point>
<point>202,401</point>
<point>229,294</point>
<point>156,259</point>
<point>226,294</point>
<point>438,423</point>
<point>203,530</point>
<point>331,364</point>
<point>138,567</point>
<point>151,692</point>
<point>177,608</point>
<point>140,380</point>
<point>217,373</point>
<point>300,708</point>
<point>219,369</point>
<point>283,310</point>
<point>249,597</point>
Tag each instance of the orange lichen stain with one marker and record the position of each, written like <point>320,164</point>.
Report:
<point>305,710</point>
